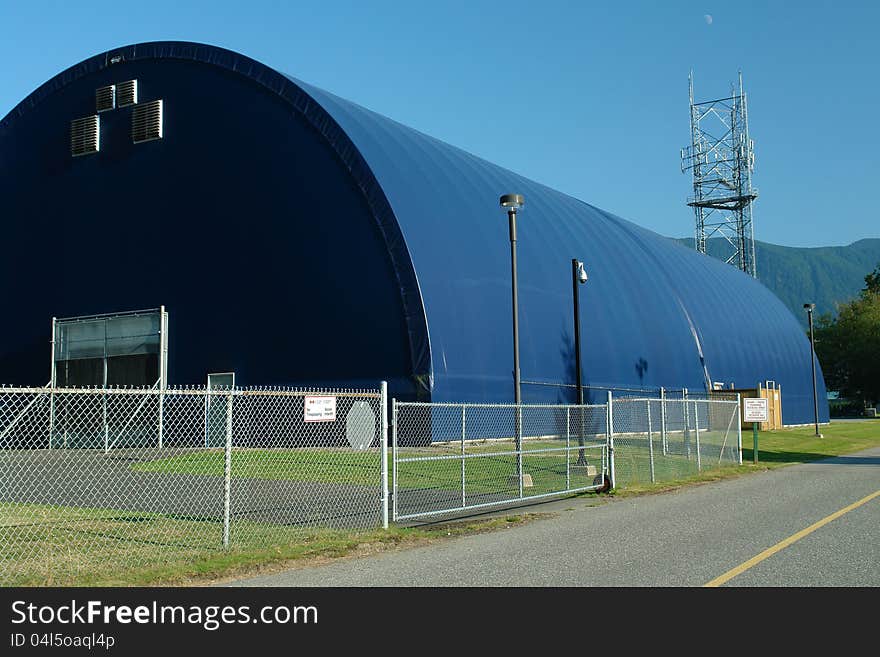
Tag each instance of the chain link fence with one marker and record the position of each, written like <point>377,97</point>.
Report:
<point>665,439</point>
<point>597,394</point>
<point>130,474</point>
<point>449,458</point>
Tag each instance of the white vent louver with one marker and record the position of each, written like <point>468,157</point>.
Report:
<point>146,121</point>
<point>85,135</point>
<point>105,98</point>
<point>127,93</point>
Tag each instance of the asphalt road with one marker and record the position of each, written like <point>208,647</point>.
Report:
<point>776,528</point>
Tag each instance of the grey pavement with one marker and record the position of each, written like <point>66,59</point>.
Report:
<point>93,479</point>
<point>684,538</point>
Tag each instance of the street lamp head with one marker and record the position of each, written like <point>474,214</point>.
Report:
<point>512,202</point>
<point>581,273</point>
<point>809,307</point>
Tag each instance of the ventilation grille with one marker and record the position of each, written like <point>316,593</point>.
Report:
<point>85,135</point>
<point>146,121</point>
<point>127,93</point>
<point>105,98</point>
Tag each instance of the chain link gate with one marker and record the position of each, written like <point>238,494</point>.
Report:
<point>449,458</point>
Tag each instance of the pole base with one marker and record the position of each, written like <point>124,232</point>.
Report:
<point>603,482</point>
<point>587,470</point>
<point>513,481</point>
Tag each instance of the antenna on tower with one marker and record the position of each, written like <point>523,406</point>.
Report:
<point>721,158</point>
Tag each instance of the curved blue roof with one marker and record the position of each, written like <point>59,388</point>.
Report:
<point>653,312</point>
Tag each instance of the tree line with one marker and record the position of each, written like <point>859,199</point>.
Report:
<point>848,346</point>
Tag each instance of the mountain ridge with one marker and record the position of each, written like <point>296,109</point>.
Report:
<point>824,275</point>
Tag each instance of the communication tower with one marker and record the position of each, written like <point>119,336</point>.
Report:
<point>721,158</point>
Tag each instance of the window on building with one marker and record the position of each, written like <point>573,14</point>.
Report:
<point>121,349</point>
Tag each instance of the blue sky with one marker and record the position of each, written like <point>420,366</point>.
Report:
<point>587,97</point>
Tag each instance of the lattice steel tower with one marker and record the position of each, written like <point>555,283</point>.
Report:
<point>722,157</point>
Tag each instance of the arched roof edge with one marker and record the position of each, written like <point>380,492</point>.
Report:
<point>324,124</point>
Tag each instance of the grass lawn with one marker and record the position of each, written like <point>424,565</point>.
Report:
<point>801,445</point>
<point>46,545</point>
<point>488,468</point>
<point>779,449</point>
<point>358,467</point>
<point>62,546</point>
<point>634,458</point>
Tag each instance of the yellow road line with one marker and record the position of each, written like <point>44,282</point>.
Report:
<point>769,552</point>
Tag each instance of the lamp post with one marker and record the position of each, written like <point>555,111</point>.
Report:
<point>809,307</point>
<point>578,277</point>
<point>512,202</point>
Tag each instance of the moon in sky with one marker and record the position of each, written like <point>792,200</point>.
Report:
<point>708,18</point>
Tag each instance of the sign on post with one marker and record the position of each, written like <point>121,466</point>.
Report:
<point>319,409</point>
<point>755,409</point>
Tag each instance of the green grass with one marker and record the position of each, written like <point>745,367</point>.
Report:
<point>489,472</point>
<point>316,465</point>
<point>61,546</point>
<point>775,449</point>
<point>495,472</point>
<point>801,445</point>
<point>633,457</point>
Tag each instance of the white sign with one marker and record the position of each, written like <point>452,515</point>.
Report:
<point>755,409</point>
<point>360,425</point>
<point>320,409</point>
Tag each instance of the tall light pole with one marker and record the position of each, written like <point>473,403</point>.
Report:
<point>512,202</point>
<point>809,307</point>
<point>578,277</point>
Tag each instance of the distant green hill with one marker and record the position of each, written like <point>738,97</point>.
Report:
<point>826,275</point>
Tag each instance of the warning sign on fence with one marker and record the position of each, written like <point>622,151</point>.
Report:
<point>320,409</point>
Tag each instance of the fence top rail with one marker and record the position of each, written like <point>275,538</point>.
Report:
<point>483,455</point>
<point>673,400</point>
<point>194,390</point>
<point>478,405</point>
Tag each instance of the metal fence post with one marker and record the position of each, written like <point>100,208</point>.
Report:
<point>650,441</point>
<point>739,436</point>
<point>227,471</point>
<point>519,447</point>
<point>383,399</point>
<point>663,419</point>
<point>51,413</point>
<point>161,414</point>
<point>568,448</point>
<point>463,433</point>
<point>106,427</point>
<point>394,459</point>
<point>697,434</point>
<point>686,432</point>
<point>610,429</point>
<point>52,375</point>
<point>163,370</point>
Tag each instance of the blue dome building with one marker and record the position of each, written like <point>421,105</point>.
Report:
<point>296,238</point>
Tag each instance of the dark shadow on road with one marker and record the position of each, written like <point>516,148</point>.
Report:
<point>854,460</point>
<point>807,457</point>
